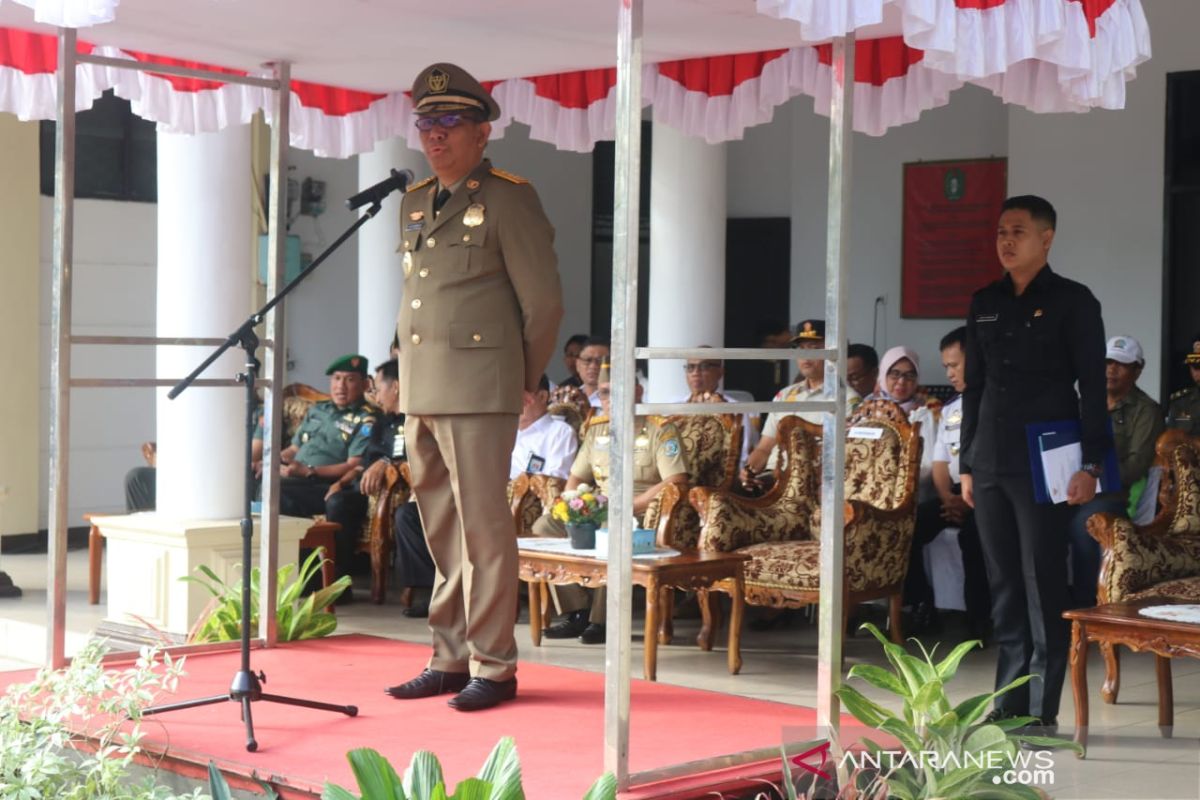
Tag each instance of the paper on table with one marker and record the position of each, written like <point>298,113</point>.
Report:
<point>1175,613</point>
<point>1059,464</point>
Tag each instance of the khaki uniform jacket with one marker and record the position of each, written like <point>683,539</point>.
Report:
<point>482,297</point>
<point>1137,422</point>
<point>657,454</point>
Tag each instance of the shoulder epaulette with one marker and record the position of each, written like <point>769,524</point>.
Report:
<point>421,183</point>
<point>599,419</point>
<point>1180,393</point>
<point>508,176</point>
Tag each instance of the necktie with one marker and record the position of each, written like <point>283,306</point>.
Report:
<point>440,200</point>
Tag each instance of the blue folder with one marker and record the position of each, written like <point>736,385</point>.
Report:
<point>1043,436</point>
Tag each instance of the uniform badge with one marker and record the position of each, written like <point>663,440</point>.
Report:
<point>536,463</point>
<point>365,430</point>
<point>408,261</point>
<point>472,184</point>
<point>473,216</point>
<point>671,448</point>
<point>417,216</point>
<point>398,444</point>
<point>438,80</point>
<point>954,417</point>
<point>1037,313</point>
<point>414,226</point>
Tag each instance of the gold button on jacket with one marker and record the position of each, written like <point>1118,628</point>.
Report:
<point>490,296</point>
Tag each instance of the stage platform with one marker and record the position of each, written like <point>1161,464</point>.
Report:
<point>557,721</point>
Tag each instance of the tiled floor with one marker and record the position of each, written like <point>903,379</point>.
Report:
<point>1127,758</point>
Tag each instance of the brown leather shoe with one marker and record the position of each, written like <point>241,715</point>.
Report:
<point>429,683</point>
<point>482,693</point>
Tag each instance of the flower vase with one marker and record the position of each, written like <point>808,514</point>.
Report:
<point>583,535</point>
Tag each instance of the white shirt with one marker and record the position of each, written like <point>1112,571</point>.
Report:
<point>800,391</point>
<point>547,447</point>
<point>749,432</point>
<point>594,399</point>
<point>946,447</point>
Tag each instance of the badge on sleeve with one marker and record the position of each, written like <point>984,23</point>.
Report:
<point>365,429</point>
<point>473,216</point>
<point>536,463</point>
<point>671,447</point>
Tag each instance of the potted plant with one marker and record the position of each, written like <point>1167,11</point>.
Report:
<point>581,510</point>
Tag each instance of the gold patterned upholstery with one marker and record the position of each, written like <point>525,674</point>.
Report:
<point>571,405</point>
<point>1161,558</point>
<point>529,496</point>
<point>780,531</point>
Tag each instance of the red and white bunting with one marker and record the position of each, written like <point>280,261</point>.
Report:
<point>1046,55</point>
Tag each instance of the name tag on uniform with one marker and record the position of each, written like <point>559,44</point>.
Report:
<point>536,463</point>
<point>398,444</point>
<point>414,226</point>
<point>986,317</point>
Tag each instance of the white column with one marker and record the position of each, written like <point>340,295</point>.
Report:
<point>204,231</point>
<point>687,253</point>
<point>380,273</point>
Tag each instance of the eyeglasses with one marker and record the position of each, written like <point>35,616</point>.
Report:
<point>426,124</point>
<point>589,361</point>
<point>705,365</point>
<point>897,375</point>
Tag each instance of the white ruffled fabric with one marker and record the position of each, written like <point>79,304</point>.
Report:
<point>72,13</point>
<point>1034,53</point>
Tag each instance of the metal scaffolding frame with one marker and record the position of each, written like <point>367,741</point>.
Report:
<point>832,405</point>
<point>624,353</point>
<point>61,340</point>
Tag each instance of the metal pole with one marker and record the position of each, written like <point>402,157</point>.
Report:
<point>60,350</point>
<point>833,446</point>
<point>276,356</point>
<point>624,336</point>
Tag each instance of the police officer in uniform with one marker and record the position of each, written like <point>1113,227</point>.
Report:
<point>329,444</point>
<point>478,325</point>
<point>658,459</point>
<point>1184,410</point>
<point>1031,336</point>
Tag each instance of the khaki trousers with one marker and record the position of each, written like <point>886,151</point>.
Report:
<point>459,466</point>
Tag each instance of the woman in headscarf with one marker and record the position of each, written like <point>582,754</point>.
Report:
<point>898,381</point>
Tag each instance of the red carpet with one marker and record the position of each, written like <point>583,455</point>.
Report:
<point>557,719</point>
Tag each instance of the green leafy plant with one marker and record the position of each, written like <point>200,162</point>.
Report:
<point>220,787</point>
<point>75,733</point>
<point>954,741</point>
<point>499,778</point>
<point>296,617</point>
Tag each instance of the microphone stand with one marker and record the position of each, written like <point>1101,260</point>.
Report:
<point>247,685</point>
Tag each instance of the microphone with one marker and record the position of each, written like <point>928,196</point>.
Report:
<point>375,194</point>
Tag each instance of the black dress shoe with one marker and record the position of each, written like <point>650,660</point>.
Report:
<point>481,693</point>
<point>593,634</point>
<point>419,611</point>
<point>429,683</point>
<point>575,624</point>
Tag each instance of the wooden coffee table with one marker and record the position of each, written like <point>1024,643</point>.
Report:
<point>558,564</point>
<point>1122,624</point>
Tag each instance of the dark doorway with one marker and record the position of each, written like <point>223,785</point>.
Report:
<point>757,298</point>
<point>603,174</point>
<point>1181,239</point>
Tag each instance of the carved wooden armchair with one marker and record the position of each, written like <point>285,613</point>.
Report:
<point>572,405</point>
<point>1160,559</point>
<point>780,531</point>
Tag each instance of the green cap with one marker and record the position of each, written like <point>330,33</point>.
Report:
<point>350,363</point>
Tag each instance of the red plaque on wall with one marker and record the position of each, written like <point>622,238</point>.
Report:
<point>949,251</point>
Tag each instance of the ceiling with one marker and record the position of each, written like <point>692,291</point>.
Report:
<point>380,45</point>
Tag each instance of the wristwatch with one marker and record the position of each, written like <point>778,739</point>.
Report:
<point>1095,470</point>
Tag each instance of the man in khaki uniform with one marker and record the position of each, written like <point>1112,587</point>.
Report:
<point>1184,410</point>
<point>479,323</point>
<point>657,460</point>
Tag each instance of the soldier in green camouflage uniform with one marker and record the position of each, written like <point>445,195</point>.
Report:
<point>328,444</point>
<point>1184,410</point>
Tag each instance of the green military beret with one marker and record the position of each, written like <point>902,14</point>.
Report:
<point>350,363</point>
<point>448,87</point>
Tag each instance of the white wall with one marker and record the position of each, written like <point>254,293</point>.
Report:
<point>114,295</point>
<point>1104,173</point>
<point>782,170</point>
